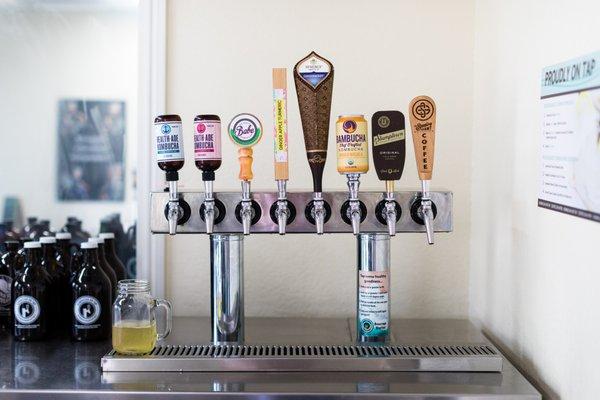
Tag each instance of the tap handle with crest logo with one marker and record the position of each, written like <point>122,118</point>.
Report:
<point>313,77</point>
<point>422,120</point>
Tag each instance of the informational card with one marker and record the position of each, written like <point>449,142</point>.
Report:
<point>570,153</point>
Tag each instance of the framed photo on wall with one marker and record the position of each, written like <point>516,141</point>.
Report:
<point>91,140</point>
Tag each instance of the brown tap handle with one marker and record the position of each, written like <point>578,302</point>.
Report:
<point>422,121</point>
<point>245,158</point>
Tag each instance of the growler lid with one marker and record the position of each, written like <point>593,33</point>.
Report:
<point>47,240</point>
<point>32,245</point>
<point>63,235</point>
<point>106,235</point>
<point>90,244</point>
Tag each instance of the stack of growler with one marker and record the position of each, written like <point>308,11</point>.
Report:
<point>57,287</point>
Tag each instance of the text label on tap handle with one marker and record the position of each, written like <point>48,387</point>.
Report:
<point>280,129</point>
<point>245,130</point>
<point>389,149</point>
<point>422,121</point>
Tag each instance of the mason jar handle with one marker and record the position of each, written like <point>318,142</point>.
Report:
<point>168,317</point>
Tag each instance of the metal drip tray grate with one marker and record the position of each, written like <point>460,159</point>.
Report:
<point>233,357</point>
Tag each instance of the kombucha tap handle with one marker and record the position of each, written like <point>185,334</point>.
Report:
<point>313,77</point>
<point>281,145</point>
<point>389,153</point>
<point>422,121</point>
<point>245,130</point>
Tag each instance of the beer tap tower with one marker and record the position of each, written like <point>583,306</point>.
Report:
<point>374,216</point>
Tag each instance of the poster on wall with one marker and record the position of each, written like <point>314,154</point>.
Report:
<point>570,151</point>
<point>91,138</point>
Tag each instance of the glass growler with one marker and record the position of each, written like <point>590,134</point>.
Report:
<point>106,267</point>
<point>9,263</point>
<point>91,295</point>
<point>60,283</point>
<point>110,254</point>
<point>31,297</point>
<point>134,320</point>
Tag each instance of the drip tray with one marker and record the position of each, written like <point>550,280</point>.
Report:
<point>480,357</point>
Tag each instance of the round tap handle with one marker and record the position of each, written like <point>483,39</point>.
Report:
<point>245,130</point>
<point>422,121</point>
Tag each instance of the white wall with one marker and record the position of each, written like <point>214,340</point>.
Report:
<point>220,56</point>
<point>534,273</point>
<point>47,55</point>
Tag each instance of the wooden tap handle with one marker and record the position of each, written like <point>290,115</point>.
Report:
<point>245,157</point>
<point>422,122</point>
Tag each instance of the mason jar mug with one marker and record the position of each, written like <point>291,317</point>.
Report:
<point>134,318</point>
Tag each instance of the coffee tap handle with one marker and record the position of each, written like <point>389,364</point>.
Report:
<point>422,121</point>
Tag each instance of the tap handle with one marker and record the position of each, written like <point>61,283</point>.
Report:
<point>280,131</point>
<point>422,122</point>
<point>245,158</point>
<point>245,130</point>
<point>313,77</point>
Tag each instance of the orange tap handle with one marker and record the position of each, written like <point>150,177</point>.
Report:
<point>245,158</point>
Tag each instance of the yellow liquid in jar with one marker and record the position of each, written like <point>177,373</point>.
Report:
<point>131,337</point>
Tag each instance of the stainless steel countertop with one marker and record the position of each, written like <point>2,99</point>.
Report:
<point>60,368</point>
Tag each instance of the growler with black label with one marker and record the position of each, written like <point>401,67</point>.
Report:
<point>92,298</point>
<point>31,297</point>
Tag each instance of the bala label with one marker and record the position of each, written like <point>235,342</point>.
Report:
<point>373,296</point>
<point>169,142</point>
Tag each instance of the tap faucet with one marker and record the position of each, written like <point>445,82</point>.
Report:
<point>355,213</point>
<point>246,211</point>
<point>422,121</point>
<point>209,206</point>
<point>174,212</point>
<point>282,211</point>
<point>389,153</point>
<point>390,208</point>
<point>281,145</point>
<point>245,130</point>
<point>426,210</point>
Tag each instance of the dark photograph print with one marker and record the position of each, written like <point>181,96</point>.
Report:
<point>91,147</point>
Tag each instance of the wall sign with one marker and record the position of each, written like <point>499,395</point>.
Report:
<point>570,153</point>
<point>91,145</point>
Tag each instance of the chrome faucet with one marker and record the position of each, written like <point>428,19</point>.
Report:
<point>426,210</point>
<point>174,211</point>
<point>355,213</point>
<point>246,210</point>
<point>209,206</point>
<point>390,208</point>
<point>282,211</point>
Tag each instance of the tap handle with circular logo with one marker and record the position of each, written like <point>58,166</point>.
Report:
<point>245,130</point>
<point>422,121</point>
